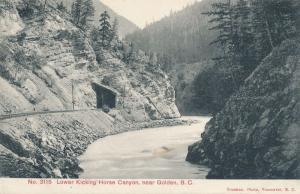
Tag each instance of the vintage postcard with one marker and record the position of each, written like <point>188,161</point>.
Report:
<point>149,96</point>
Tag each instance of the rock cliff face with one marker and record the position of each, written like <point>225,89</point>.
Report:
<point>183,77</point>
<point>257,134</point>
<point>44,55</point>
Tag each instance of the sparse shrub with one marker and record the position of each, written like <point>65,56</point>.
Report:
<point>30,61</point>
<point>6,5</point>
<point>20,57</point>
<point>106,80</point>
<point>63,34</point>
<point>60,6</point>
<point>29,8</point>
<point>100,55</point>
<point>3,53</point>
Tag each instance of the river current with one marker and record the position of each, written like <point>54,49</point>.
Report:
<point>150,153</point>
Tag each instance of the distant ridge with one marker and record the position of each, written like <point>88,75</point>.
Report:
<point>183,36</point>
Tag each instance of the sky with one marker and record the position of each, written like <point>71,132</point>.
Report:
<point>142,12</point>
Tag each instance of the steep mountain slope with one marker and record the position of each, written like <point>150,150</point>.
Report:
<point>257,134</point>
<point>125,26</point>
<point>42,55</point>
<point>40,63</point>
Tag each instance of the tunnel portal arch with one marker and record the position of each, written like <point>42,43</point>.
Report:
<point>105,96</point>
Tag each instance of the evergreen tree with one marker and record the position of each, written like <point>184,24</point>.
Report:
<point>153,58</point>
<point>115,29</point>
<point>263,39</point>
<point>224,19</point>
<point>244,38</point>
<point>282,17</point>
<point>248,31</point>
<point>29,8</point>
<point>94,35</point>
<point>44,5</point>
<point>273,21</point>
<point>131,55</point>
<point>76,11</point>
<point>105,31</point>
<point>88,12</point>
<point>82,12</point>
<point>61,6</point>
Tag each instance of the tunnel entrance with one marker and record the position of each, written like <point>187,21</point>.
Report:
<point>105,96</point>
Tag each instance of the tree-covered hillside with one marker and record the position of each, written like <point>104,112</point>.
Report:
<point>233,36</point>
<point>182,37</point>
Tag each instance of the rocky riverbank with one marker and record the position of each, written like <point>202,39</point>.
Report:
<point>166,123</point>
<point>44,146</point>
<point>48,145</point>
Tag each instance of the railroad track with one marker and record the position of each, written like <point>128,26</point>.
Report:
<point>16,115</point>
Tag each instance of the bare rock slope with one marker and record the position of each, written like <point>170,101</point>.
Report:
<point>257,134</point>
<point>41,58</point>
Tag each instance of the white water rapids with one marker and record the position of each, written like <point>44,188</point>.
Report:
<point>149,153</point>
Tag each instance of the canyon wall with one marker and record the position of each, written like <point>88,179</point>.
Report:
<point>257,134</point>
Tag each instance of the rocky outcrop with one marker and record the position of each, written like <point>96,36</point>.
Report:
<point>10,21</point>
<point>257,134</point>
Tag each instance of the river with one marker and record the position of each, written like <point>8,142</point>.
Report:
<point>150,153</point>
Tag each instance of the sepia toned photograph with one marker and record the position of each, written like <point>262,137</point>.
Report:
<point>164,90</point>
